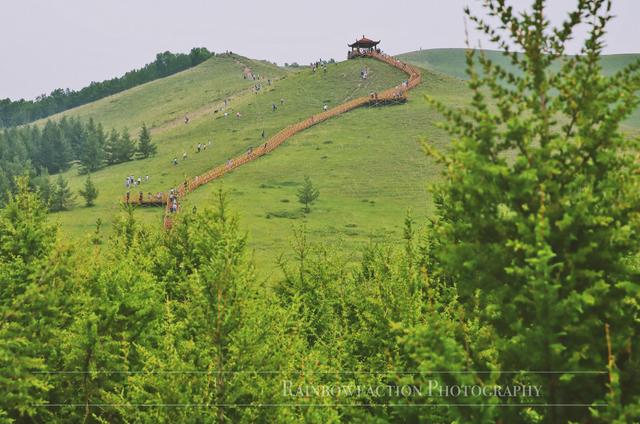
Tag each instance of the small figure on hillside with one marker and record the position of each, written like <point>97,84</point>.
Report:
<point>186,119</point>
<point>184,155</point>
<point>139,180</point>
<point>281,100</point>
<point>128,195</point>
<point>269,82</point>
<point>273,107</point>
<point>146,178</point>
<point>229,163</point>
<point>199,147</point>
<point>238,115</point>
<point>249,151</point>
<point>127,183</point>
<point>226,114</point>
<point>175,161</point>
<point>325,107</point>
<point>262,133</point>
<point>141,198</point>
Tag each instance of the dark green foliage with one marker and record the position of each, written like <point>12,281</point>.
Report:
<point>89,192</point>
<point>13,113</point>
<point>539,209</point>
<point>61,197</point>
<point>55,152</point>
<point>119,147</point>
<point>34,152</point>
<point>145,147</point>
<point>307,194</point>
<point>92,155</point>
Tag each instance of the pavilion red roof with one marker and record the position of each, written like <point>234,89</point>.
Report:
<point>364,42</point>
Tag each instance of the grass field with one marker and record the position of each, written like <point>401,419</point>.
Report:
<point>367,164</point>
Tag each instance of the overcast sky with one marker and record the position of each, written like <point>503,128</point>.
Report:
<point>48,44</point>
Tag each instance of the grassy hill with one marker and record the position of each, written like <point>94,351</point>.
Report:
<point>166,101</point>
<point>367,164</point>
<point>452,62</point>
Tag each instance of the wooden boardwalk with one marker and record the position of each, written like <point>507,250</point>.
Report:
<point>393,94</point>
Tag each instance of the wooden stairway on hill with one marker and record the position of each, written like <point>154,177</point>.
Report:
<point>394,94</point>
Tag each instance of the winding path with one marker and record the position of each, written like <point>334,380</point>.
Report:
<point>397,93</point>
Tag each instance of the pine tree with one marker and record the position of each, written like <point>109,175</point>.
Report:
<point>92,154</point>
<point>56,151</point>
<point>89,192</point>
<point>307,194</point>
<point>538,210</point>
<point>61,196</point>
<point>36,304</point>
<point>145,147</point>
<point>127,147</point>
<point>42,184</point>
<point>111,148</point>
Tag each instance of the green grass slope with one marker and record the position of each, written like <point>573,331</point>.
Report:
<point>304,93</point>
<point>368,165</point>
<point>166,101</point>
<point>452,62</point>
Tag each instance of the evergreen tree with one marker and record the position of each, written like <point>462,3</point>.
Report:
<point>145,147</point>
<point>55,150</point>
<point>92,154</point>
<point>126,147</point>
<point>538,211</point>
<point>111,148</point>
<point>307,194</point>
<point>43,186</point>
<point>89,192</point>
<point>61,196</point>
<point>37,301</point>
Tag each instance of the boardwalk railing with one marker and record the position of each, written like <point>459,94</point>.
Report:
<point>397,93</point>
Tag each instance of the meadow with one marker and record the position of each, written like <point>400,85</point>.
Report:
<point>368,164</point>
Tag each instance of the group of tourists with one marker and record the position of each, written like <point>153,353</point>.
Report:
<point>173,201</point>
<point>199,148</point>
<point>319,64</point>
<point>151,198</point>
<point>132,181</point>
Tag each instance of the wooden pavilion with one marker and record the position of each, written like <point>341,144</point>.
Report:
<point>362,46</point>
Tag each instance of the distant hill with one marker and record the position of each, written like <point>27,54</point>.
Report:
<point>13,113</point>
<point>452,62</point>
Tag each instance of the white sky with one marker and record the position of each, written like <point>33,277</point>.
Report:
<point>47,44</point>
